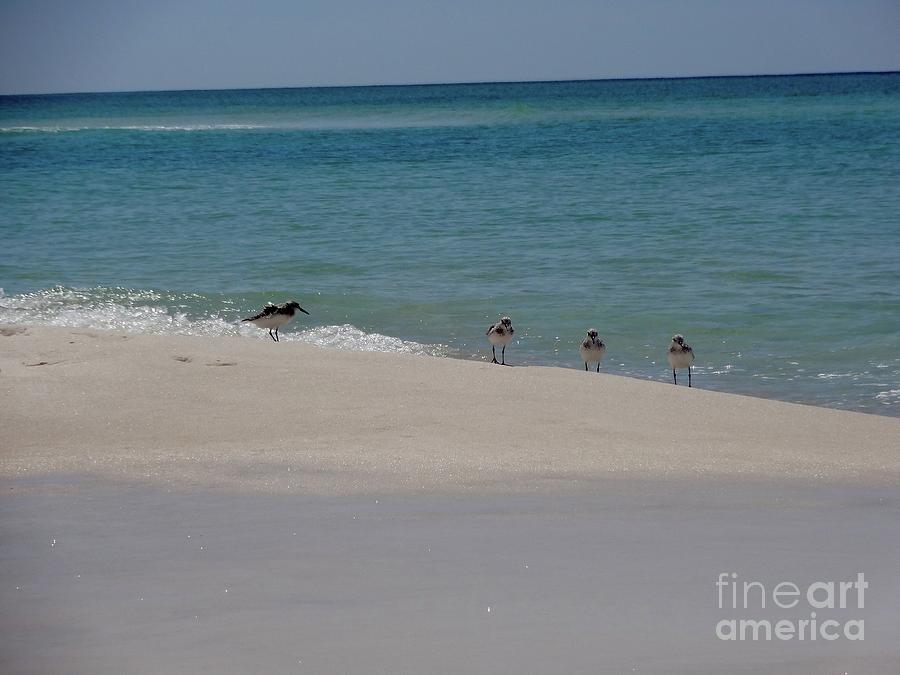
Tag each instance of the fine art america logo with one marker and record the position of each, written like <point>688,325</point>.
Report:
<point>827,607</point>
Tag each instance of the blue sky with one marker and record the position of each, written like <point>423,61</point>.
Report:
<point>121,45</point>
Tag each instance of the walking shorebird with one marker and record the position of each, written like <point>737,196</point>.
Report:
<point>500,333</point>
<point>680,356</point>
<point>275,316</point>
<point>592,349</point>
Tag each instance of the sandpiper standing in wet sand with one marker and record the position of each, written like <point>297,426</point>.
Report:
<point>680,356</point>
<point>275,316</point>
<point>592,349</point>
<point>500,334</point>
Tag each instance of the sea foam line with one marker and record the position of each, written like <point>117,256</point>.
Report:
<point>132,127</point>
<point>159,313</point>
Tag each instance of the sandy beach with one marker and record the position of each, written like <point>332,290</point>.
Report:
<point>177,504</point>
<point>250,415</point>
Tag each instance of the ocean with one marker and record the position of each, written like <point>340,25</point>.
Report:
<point>757,216</point>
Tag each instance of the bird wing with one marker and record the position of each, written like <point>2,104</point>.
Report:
<point>267,310</point>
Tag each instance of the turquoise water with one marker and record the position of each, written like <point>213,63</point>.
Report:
<point>760,217</point>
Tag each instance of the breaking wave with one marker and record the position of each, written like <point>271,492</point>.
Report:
<point>163,313</point>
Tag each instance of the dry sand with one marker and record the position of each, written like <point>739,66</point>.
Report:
<point>175,504</point>
<point>288,417</point>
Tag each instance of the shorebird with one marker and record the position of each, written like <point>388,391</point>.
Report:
<point>680,356</point>
<point>592,349</point>
<point>500,333</point>
<point>275,316</point>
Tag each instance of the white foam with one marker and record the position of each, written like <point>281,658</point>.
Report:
<point>53,129</point>
<point>320,120</point>
<point>155,313</point>
<point>888,397</point>
<point>348,336</point>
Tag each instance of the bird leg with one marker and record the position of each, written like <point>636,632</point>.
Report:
<point>503,356</point>
<point>277,339</point>
<point>494,354</point>
<point>272,336</point>
<point>598,366</point>
<point>585,367</point>
<point>674,376</point>
<point>689,376</point>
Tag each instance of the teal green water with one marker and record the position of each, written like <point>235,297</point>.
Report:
<point>760,217</point>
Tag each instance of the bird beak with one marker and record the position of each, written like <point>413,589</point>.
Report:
<point>303,310</point>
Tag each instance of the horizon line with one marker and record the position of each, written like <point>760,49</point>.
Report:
<point>640,78</point>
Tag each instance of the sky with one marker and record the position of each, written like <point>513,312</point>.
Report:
<point>51,46</point>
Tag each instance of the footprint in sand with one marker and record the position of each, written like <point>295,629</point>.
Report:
<point>183,359</point>
<point>222,363</point>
